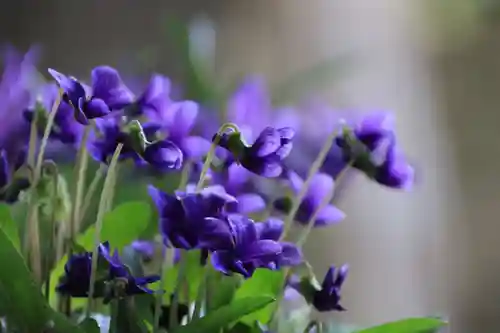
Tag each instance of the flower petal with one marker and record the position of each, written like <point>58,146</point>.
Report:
<point>329,215</point>
<point>321,186</point>
<point>263,250</point>
<point>267,143</point>
<point>184,116</point>
<point>270,229</point>
<point>244,229</point>
<point>108,86</point>
<point>222,260</point>
<point>250,203</point>
<point>95,108</point>
<point>195,147</point>
<point>291,255</point>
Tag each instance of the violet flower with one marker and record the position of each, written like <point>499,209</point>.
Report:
<point>154,98</point>
<point>328,298</point>
<point>370,146</point>
<point>184,218</point>
<point>108,93</point>
<point>265,156</point>
<point>76,280</point>
<point>321,186</point>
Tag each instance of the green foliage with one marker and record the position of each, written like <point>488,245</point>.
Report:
<point>215,321</point>
<point>21,300</point>
<point>9,226</point>
<point>121,226</point>
<point>411,325</point>
<point>89,325</point>
<point>266,283</point>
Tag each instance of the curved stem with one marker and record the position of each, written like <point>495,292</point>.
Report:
<point>211,153</point>
<point>313,170</point>
<point>103,203</point>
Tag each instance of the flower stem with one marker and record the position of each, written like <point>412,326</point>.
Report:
<point>32,227</point>
<point>90,192</point>
<point>211,152</point>
<point>52,228</point>
<point>324,202</point>
<point>159,299</point>
<point>181,274</point>
<point>313,170</point>
<point>201,292</point>
<point>103,203</point>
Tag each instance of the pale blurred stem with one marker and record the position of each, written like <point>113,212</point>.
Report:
<point>313,170</point>
<point>211,153</point>
<point>159,298</point>
<point>324,202</point>
<point>200,296</point>
<point>181,275</point>
<point>52,227</point>
<point>317,325</point>
<point>103,204</point>
<point>32,227</point>
<point>90,192</point>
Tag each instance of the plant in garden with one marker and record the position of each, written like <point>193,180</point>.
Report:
<point>220,258</point>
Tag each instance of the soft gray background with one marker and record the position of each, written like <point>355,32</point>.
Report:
<point>434,251</point>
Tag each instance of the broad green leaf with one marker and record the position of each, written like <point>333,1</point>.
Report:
<point>9,226</point>
<point>264,282</point>
<point>120,227</point>
<point>221,290</point>
<point>215,321</point>
<point>89,325</point>
<point>20,297</point>
<point>410,325</point>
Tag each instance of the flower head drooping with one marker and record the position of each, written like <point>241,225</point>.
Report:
<point>65,128</point>
<point>328,298</point>
<point>108,93</point>
<point>321,185</point>
<point>112,272</point>
<point>371,147</point>
<point>265,156</point>
<point>184,217</point>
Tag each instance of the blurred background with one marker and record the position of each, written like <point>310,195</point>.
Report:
<point>435,64</point>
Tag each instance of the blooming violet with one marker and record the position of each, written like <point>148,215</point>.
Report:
<point>328,298</point>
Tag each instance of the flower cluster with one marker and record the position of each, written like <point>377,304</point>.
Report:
<point>240,220</point>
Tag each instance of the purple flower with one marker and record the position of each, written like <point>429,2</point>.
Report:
<point>163,155</point>
<point>272,229</point>
<point>371,147</point>
<point>77,270</point>
<point>108,93</point>
<point>242,251</point>
<point>321,186</point>
<point>154,98</point>
<point>185,218</point>
<point>328,298</point>
<point>147,250</point>
<point>265,156</point>
<point>65,128</point>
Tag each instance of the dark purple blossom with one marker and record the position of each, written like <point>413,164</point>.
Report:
<point>155,98</point>
<point>328,298</point>
<point>370,146</point>
<point>65,128</point>
<point>242,250</point>
<point>111,271</point>
<point>185,218</point>
<point>108,93</point>
<point>265,156</point>
<point>321,186</point>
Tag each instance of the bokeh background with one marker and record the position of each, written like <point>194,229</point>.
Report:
<point>435,64</point>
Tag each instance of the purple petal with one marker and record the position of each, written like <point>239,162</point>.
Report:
<point>216,234</point>
<point>236,177</point>
<point>329,215</point>
<point>108,86</point>
<point>163,155</point>
<point>295,181</point>
<point>159,85</point>
<point>79,113</point>
<point>95,108</point>
<point>268,142</point>
<point>271,170</point>
<point>4,169</point>
<point>243,229</point>
<point>73,89</point>
<point>264,249</point>
<point>270,229</point>
<point>184,116</point>
<point>160,198</point>
<point>221,260</point>
<point>291,255</point>
<point>250,203</point>
<point>145,248</point>
<point>195,147</point>
<point>321,186</point>
<point>286,133</point>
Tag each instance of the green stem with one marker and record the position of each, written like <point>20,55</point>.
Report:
<point>103,203</point>
<point>33,232</point>
<point>315,167</point>
<point>90,192</point>
<point>324,202</point>
<point>181,274</point>
<point>52,227</point>
<point>211,153</point>
<point>201,292</point>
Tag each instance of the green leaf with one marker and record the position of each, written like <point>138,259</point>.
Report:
<point>263,282</point>
<point>89,325</point>
<point>20,297</point>
<point>409,325</point>
<point>226,315</point>
<point>9,226</point>
<point>120,227</point>
<point>221,290</point>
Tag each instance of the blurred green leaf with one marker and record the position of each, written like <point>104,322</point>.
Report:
<point>9,226</point>
<point>410,325</point>
<point>226,315</point>
<point>89,325</point>
<point>20,298</point>
<point>221,290</point>
<point>263,282</point>
<point>120,227</point>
